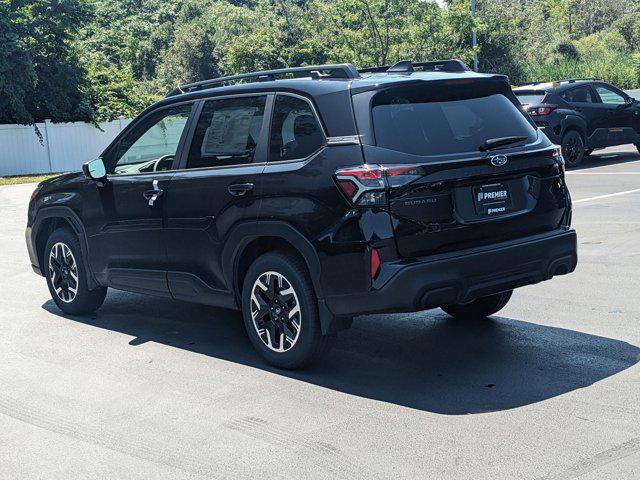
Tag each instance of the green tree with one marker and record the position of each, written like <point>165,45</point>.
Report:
<point>40,76</point>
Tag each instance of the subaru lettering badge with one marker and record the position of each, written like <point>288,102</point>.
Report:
<point>498,160</point>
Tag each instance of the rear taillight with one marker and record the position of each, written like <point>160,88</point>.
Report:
<point>537,110</point>
<point>363,185</point>
<point>375,263</point>
<point>366,185</point>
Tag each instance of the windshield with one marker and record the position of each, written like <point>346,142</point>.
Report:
<point>404,122</point>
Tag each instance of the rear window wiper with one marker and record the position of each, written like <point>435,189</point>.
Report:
<point>492,143</point>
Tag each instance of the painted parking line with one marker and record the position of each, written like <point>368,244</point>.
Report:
<point>606,196</point>
<point>602,173</point>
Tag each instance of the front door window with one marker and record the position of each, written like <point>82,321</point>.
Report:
<point>610,96</point>
<point>151,146</point>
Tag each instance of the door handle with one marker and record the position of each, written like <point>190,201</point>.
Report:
<point>152,195</point>
<point>239,189</point>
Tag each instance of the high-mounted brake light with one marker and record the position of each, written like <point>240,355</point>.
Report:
<point>366,185</point>
<point>537,110</point>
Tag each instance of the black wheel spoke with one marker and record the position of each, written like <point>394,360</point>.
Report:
<point>286,297</point>
<point>288,332</point>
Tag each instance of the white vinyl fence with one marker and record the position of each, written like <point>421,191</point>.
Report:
<point>64,147</point>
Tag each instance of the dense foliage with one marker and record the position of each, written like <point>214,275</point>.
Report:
<point>99,59</point>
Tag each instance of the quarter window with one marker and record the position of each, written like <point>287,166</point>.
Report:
<point>151,146</point>
<point>227,133</point>
<point>609,96</point>
<point>295,132</point>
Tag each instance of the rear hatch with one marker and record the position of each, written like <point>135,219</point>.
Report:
<point>530,97</point>
<point>446,190</point>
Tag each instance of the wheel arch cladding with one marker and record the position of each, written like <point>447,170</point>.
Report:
<point>248,241</point>
<point>571,122</point>
<point>52,218</point>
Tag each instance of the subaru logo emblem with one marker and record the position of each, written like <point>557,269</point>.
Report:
<point>498,160</point>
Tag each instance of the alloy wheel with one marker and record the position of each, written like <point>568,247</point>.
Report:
<point>63,272</point>
<point>573,148</point>
<point>275,311</point>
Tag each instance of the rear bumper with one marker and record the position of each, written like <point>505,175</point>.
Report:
<point>464,276</point>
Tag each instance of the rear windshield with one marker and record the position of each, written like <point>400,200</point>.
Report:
<point>407,120</point>
<point>530,98</point>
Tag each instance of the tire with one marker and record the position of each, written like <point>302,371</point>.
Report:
<point>572,148</point>
<point>588,152</point>
<point>275,286</point>
<point>67,277</point>
<point>480,308</point>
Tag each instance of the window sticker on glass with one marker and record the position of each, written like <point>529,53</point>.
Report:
<point>228,132</point>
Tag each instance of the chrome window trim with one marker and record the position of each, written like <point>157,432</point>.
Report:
<point>277,162</point>
<point>244,165</point>
<point>344,140</point>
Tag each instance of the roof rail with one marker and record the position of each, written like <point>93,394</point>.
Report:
<point>407,66</point>
<point>566,80</point>
<point>343,70</point>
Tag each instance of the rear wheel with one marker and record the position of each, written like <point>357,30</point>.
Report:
<point>480,308</point>
<point>573,148</point>
<point>67,277</point>
<point>280,312</point>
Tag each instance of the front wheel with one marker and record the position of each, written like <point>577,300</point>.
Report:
<point>67,276</point>
<point>280,312</point>
<point>572,148</point>
<point>480,308</point>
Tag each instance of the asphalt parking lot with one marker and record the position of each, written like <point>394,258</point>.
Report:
<point>148,388</point>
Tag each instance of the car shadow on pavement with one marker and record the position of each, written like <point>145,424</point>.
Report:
<point>607,158</point>
<point>424,360</point>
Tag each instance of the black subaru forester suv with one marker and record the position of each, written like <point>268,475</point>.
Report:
<point>582,115</point>
<point>306,196</point>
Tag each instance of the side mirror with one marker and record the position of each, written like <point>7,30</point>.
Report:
<point>95,170</point>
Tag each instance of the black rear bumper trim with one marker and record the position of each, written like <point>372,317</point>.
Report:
<point>467,275</point>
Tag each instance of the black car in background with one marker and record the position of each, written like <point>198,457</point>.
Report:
<point>307,200</point>
<point>582,115</point>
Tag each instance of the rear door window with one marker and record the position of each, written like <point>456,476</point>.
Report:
<point>582,94</point>
<point>227,133</point>
<point>405,120</point>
